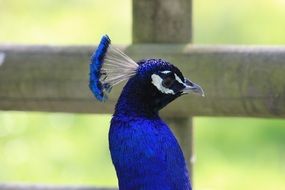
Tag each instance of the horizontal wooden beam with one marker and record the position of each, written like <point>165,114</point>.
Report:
<point>10,186</point>
<point>238,81</point>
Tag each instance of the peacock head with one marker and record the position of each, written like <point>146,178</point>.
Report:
<point>152,81</point>
<point>166,78</point>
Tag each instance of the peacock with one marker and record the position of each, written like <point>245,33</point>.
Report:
<point>144,151</point>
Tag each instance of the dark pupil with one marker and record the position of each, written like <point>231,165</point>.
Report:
<point>167,82</point>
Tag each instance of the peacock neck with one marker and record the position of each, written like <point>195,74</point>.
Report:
<point>135,106</point>
<point>136,100</point>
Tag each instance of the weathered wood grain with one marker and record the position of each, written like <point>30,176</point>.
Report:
<point>162,21</point>
<point>238,80</point>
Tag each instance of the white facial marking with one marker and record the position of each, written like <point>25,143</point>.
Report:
<point>165,72</point>
<point>157,82</point>
<point>178,79</point>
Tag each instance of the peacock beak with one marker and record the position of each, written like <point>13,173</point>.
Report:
<point>192,87</point>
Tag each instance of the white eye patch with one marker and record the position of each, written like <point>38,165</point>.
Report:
<point>165,72</point>
<point>176,76</point>
<point>157,82</point>
<point>178,79</point>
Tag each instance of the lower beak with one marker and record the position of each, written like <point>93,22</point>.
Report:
<point>192,87</point>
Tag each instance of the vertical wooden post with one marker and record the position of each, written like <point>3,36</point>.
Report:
<point>167,21</point>
<point>162,21</point>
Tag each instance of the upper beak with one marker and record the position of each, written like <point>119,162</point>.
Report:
<point>192,87</point>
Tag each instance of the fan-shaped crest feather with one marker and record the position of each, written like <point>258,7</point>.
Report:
<point>109,66</point>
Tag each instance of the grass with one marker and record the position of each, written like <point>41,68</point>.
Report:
<point>231,153</point>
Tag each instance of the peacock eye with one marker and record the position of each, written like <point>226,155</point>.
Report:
<point>168,82</point>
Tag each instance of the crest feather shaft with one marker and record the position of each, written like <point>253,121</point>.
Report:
<point>109,66</point>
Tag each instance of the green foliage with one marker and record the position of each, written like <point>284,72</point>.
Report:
<point>55,148</point>
<point>84,21</point>
<point>239,22</point>
<point>64,22</point>
<point>239,153</point>
<point>231,153</point>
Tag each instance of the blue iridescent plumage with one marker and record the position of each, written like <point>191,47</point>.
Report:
<point>144,151</point>
<point>109,66</point>
<point>97,61</point>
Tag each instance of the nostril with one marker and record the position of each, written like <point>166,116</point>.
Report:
<point>2,58</point>
<point>188,82</point>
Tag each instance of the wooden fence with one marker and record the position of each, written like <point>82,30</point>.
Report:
<point>238,80</point>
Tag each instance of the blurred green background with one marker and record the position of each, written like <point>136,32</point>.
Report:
<point>231,153</point>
